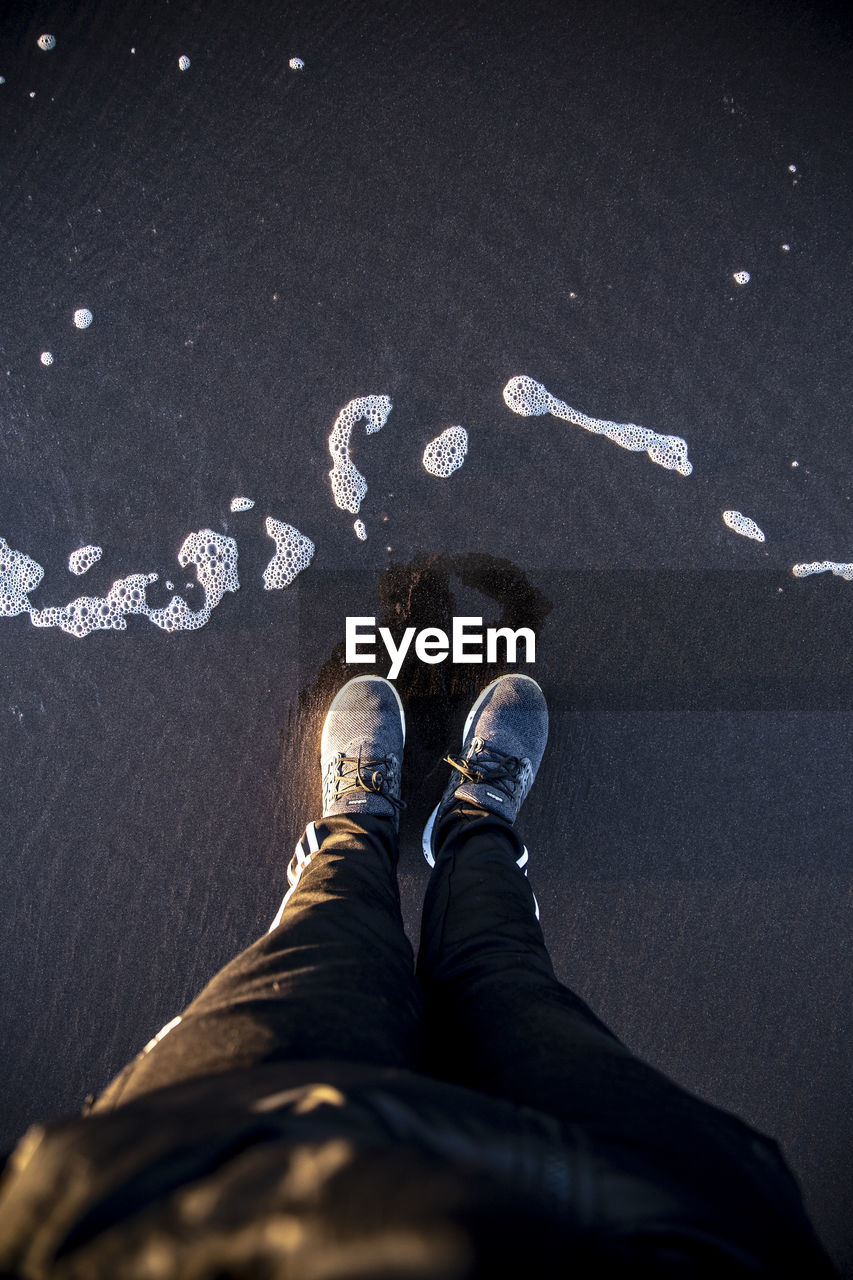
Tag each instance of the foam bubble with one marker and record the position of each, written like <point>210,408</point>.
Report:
<point>530,399</point>
<point>242,504</point>
<point>824,566</point>
<point>81,560</point>
<point>83,318</point>
<point>446,453</point>
<point>296,64</point>
<point>741,277</point>
<point>19,575</point>
<point>293,553</point>
<point>46,357</point>
<point>348,484</point>
<point>184,62</point>
<point>360,531</point>
<point>743,525</point>
<point>46,42</point>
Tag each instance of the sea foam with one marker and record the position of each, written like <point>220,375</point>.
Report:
<point>98,613</point>
<point>446,453</point>
<point>293,553</point>
<point>215,558</point>
<point>81,560</point>
<point>824,566</point>
<point>348,484</point>
<point>213,555</point>
<point>530,399</point>
<point>743,525</point>
<point>19,575</point>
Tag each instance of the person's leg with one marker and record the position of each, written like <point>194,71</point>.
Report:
<point>500,1021</point>
<point>334,977</point>
<point>498,1018</point>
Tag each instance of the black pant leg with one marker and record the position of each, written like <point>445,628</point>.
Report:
<point>500,1021</point>
<point>498,1018</point>
<point>334,979</point>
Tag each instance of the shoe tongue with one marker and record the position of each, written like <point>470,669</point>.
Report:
<point>369,751</point>
<point>485,795</point>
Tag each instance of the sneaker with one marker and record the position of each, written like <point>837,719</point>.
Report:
<point>502,746</point>
<point>361,750</point>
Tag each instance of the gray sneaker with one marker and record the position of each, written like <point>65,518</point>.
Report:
<point>361,750</point>
<point>502,746</point>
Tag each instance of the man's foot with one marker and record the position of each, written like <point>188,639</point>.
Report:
<point>361,750</point>
<point>502,746</point>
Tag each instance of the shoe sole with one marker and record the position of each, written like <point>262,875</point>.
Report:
<point>360,680</point>
<point>426,839</point>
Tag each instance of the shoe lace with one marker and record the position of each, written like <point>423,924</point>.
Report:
<point>354,773</point>
<point>486,764</point>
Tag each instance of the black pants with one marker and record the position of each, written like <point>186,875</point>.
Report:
<point>335,981</point>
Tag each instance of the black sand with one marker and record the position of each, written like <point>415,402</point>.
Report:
<point>411,215</point>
